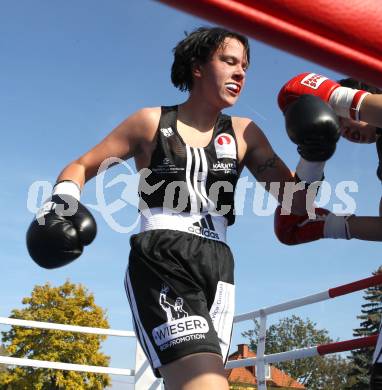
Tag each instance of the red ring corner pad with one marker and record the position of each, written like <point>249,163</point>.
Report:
<point>346,39</point>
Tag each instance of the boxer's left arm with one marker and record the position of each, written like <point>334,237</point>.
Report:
<point>257,154</point>
<point>296,227</point>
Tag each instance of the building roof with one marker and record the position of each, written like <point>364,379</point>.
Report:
<point>247,375</point>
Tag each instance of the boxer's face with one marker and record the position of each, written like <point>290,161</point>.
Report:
<point>359,132</point>
<point>222,78</point>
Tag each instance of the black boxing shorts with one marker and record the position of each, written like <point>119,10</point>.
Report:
<point>180,288</point>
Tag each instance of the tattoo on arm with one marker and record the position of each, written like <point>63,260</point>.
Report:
<point>270,163</point>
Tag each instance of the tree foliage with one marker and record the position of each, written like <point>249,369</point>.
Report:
<point>67,304</point>
<point>370,317</point>
<point>329,372</point>
<point>3,352</point>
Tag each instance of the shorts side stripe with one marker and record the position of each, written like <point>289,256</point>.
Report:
<point>143,335</point>
<point>137,330</point>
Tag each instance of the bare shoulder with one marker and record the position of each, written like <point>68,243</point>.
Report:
<point>145,120</point>
<point>240,122</point>
<point>149,113</point>
<point>245,127</point>
<point>249,135</point>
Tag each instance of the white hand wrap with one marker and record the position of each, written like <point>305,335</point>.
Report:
<point>346,102</point>
<point>337,226</point>
<point>67,187</point>
<point>310,171</point>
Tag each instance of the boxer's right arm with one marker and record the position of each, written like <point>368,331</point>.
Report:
<point>64,226</point>
<point>125,141</point>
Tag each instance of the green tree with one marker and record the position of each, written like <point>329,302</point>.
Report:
<point>329,372</point>
<point>67,304</point>
<point>3,352</point>
<point>370,317</point>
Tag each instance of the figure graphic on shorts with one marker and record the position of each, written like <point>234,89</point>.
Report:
<point>173,312</point>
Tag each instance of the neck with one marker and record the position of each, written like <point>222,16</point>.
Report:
<point>197,113</point>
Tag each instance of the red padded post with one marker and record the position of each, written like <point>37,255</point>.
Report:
<point>347,38</point>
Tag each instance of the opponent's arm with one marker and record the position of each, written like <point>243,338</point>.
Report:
<point>314,128</point>
<point>376,370</point>
<point>371,109</point>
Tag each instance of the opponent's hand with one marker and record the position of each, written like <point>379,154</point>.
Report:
<point>376,377</point>
<point>313,126</point>
<point>376,370</point>
<point>294,229</point>
<point>60,230</point>
<point>379,152</point>
<point>345,101</point>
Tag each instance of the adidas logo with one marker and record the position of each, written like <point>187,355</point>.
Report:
<point>167,132</point>
<point>204,227</point>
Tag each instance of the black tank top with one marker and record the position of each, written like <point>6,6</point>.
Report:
<point>190,179</point>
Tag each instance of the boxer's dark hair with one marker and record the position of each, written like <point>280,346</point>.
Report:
<point>356,84</point>
<point>197,48</point>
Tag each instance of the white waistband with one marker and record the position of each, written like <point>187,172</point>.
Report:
<point>203,225</point>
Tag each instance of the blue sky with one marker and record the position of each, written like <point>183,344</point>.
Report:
<point>70,72</point>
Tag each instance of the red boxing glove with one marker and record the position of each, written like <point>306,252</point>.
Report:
<point>294,229</point>
<point>297,229</point>
<point>346,102</point>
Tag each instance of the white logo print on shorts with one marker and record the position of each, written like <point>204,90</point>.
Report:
<point>180,327</point>
<point>175,311</point>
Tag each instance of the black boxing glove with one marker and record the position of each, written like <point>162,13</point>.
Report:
<point>61,228</point>
<point>313,126</point>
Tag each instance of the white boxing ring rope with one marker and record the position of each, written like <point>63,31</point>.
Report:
<point>141,374</point>
<point>144,379</point>
<point>66,366</point>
